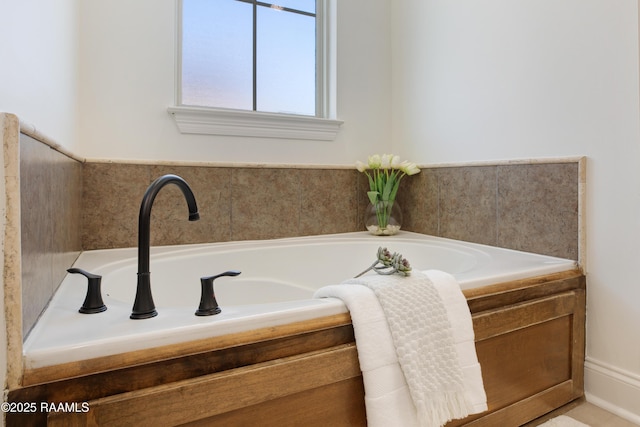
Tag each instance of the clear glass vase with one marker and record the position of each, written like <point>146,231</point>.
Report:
<point>384,218</point>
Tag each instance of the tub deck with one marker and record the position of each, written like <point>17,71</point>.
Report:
<point>529,340</point>
<point>271,291</point>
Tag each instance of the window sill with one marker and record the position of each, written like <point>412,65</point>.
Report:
<point>213,121</point>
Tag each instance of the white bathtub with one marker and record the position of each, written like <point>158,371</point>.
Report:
<point>277,282</point>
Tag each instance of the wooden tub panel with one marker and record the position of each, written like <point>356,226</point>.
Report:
<point>343,407</point>
<point>532,358</point>
<point>525,362</point>
<point>205,397</point>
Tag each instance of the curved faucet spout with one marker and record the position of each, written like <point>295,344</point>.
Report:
<point>144,307</point>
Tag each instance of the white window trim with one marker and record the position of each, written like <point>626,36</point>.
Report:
<point>221,121</point>
<point>218,121</point>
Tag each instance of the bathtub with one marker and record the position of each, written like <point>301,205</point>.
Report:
<point>276,286</point>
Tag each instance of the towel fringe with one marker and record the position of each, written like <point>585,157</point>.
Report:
<point>442,408</point>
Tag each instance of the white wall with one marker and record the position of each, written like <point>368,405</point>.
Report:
<point>38,66</point>
<point>38,83</point>
<point>127,71</point>
<point>496,79</point>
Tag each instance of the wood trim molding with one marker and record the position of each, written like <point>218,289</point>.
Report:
<point>102,364</point>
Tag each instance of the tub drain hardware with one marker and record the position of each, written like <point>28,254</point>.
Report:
<point>93,301</point>
<point>208,304</point>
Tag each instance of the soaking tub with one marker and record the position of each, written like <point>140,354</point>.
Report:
<point>277,355</point>
<point>276,286</point>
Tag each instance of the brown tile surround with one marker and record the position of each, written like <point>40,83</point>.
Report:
<point>68,205</point>
<point>528,207</point>
<point>234,204</point>
<point>537,207</point>
<point>50,192</point>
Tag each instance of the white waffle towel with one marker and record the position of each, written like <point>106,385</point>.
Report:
<point>409,354</point>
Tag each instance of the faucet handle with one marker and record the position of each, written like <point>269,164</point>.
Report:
<point>208,304</point>
<point>93,301</point>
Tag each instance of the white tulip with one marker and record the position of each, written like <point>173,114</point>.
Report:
<point>386,161</point>
<point>375,161</point>
<point>409,168</point>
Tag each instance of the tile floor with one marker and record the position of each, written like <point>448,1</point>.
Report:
<point>587,413</point>
<point>596,417</point>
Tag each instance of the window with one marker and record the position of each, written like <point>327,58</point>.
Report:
<point>253,68</point>
<point>249,55</point>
